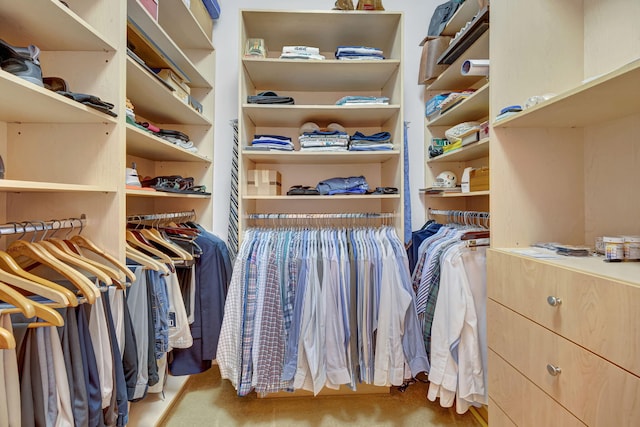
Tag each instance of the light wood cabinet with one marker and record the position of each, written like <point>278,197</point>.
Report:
<point>565,170</point>
<point>62,158</point>
<point>474,108</point>
<point>316,86</point>
<point>178,34</point>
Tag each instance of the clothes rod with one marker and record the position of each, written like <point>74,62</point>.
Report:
<point>160,216</point>
<point>458,213</point>
<point>34,226</point>
<point>322,216</point>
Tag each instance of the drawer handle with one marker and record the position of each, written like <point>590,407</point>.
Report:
<point>554,371</point>
<point>554,301</point>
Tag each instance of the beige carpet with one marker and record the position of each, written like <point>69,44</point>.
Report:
<point>210,401</point>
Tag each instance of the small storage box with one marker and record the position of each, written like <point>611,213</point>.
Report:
<point>152,7</point>
<point>479,179</point>
<point>181,90</point>
<point>431,51</point>
<point>264,183</point>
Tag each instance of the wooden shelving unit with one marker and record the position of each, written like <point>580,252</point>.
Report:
<point>316,86</point>
<point>552,169</point>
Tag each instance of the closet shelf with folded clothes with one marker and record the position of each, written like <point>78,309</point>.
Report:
<point>475,106</point>
<point>312,158</point>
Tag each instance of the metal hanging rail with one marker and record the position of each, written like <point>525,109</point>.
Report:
<point>35,226</point>
<point>320,219</point>
<point>184,215</point>
<point>462,217</point>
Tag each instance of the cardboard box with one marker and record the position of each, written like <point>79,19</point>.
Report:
<point>201,14</point>
<point>181,90</point>
<point>151,6</point>
<point>479,179</point>
<point>264,182</point>
<point>431,50</point>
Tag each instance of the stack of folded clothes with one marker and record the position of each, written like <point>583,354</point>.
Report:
<point>363,100</point>
<point>350,185</point>
<point>375,142</point>
<point>358,53</point>
<point>301,52</point>
<point>272,142</point>
<point>332,138</point>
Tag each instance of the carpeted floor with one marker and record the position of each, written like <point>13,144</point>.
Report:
<point>210,401</point>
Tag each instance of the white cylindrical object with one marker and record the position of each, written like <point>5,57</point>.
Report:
<point>475,67</point>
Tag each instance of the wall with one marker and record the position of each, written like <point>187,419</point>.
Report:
<point>225,35</point>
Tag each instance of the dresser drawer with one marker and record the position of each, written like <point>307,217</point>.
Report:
<point>599,314</point>
<point>593,389</point>
<point>497,417</point>
<point>514,400</point>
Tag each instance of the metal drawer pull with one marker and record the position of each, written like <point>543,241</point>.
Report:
<point>554,301</point>
<point>554,371</point>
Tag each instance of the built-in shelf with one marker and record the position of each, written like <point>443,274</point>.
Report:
<point>327,75</point>
<point>33,20</point>
<point>163,41</point>
<point>300,157</point>
<point>474,107</point>
<point>452,79</point>
<point>360,28</point>
<point>473,151</point>
<point>40,105</point>
<point>160,194</point>
<point>597,101</point>
<point>11,185</point>
<point>456,195</point>
<point>154,101</point>
<point>295,115</point>
<point>624,271</point>
<point>174,17</point>
<point>465,13</point>
<point>344,197</point>
<point>143,144</point>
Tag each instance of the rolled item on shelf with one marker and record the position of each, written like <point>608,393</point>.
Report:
<point>475,67</point>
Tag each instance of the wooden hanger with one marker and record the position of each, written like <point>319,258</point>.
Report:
<point>7,340</point>
<point>16,299</point>
<point>116,278</point>
<point>12,274</point>
<point>81,282</point>
<point>74,261</point>
<point>154,235</point>
<point>145,260</point>
<point>85,243</point>
<point>137,241</point>
<point>50,316</point>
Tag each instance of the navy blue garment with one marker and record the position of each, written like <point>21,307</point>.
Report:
<point>417,237</point>
<point>91,375</point>
<point>376,137</point>
<point>213,275</point>
<point>120,381</point>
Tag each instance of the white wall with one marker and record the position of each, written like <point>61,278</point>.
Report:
<point>225,38</point>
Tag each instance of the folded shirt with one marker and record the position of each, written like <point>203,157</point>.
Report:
<point>354,99</point>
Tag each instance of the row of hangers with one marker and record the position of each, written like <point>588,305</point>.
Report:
<point>68,257</point>
<point>147,243</point>
<point>475,222</point>
<point>150,239</point>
